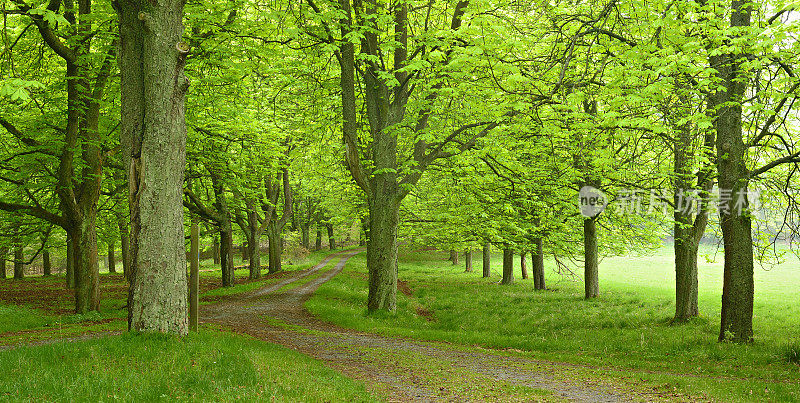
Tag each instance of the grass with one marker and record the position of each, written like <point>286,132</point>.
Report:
<point>209,365</point>
<point>625,333</point>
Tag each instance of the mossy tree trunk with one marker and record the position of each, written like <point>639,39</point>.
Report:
<point>153,86</point>
<point>508,266</point>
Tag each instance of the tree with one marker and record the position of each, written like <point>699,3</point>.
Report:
<point>86,48</point>
<point>153,87</point>
<point>380,163</point>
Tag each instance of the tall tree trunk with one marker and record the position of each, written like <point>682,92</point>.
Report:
<point>275,249</point>
<point>331,239</point>
<point>215,249</point>
<point>226,256</point>
<point>47,268</point>
<point>112,262</point>
<point>125,253</point>
<point>487,260</point>
<point>736,322</point>
<point>153,86</point>
<point>254,251</point>
<point>70,270</point>
<point>305,229</point>
<point>384,218</point>
<point>19,263</point>
<point>87,266</point>
<point>590,272</point>
<point>3,261</point>
<point>523,265</point>
<point>685,244</point>
<point>245,249</point>
<point>537,260</point>
<point>508,266</point>
<point>318,244</point>
<point>468,261</point>
<point>453,257</point>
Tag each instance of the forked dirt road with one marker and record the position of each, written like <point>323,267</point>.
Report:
<point>401,369</point>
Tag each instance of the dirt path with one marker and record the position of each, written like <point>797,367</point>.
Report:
<point>401,369</point>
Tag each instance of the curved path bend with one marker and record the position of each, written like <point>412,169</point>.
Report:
<point>401,369</point>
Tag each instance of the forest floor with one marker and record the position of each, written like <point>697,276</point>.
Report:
<point>402,369</point>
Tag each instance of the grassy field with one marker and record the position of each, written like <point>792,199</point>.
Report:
<point>211,365</point>
<point>625,334</point>
<point>208,366</point>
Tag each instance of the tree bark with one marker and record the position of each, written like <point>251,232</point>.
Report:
<point>468,261</point>
<point>537,260</point>
<point>3,261</point>
<point>384,219</point>
<point>86,264</point>
<point>112,263</point>
<point>453,257</point>
<point>215,249</point>
<point>124,240</point>
<point>331,239</point>
<point>153,89</point>
<point>590,271</point>
<point>736,322</point>
<point>305,229</point>
<point>70,270</point>
<point>508,266</point>
<point>523,265</point>
<point>318,244</point>
<point>275,249</point>
<point>226,257</point>
<point>47,269</point>
<point>687,231</point>
<point>254,242</point>
<point>245,249</point>
<point>19,260</point>
<point>487,260</point>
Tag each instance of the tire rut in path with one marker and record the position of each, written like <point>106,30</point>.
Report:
<point>279,317</point>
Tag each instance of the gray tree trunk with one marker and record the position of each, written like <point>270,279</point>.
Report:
<point>226,257</point>
<point>124,240</point>
<point>331,239</point>
<point>70,270</point>
<point>215,249</point>
<point>382,252</point>
<point>112,262</point>
<point>688,231</point>
<point>47,268</point>
<point>453,257</point>
<point>590,273</point>
<point>3,261</point>
<point>254,242</point>
<point>153,87</point>
<point>736,322</point>
<point>523,262</point>
<point>468,261</point>
<point>487,260</point>
<point>318,243</point>
<point>508,266</point>
<point>305,229</point>
<point>537,260</point>
<point>275,249</point>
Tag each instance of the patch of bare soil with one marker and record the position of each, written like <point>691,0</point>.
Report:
<point>383,362</point>
<point>425,313</point>
<point>403,287</point>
